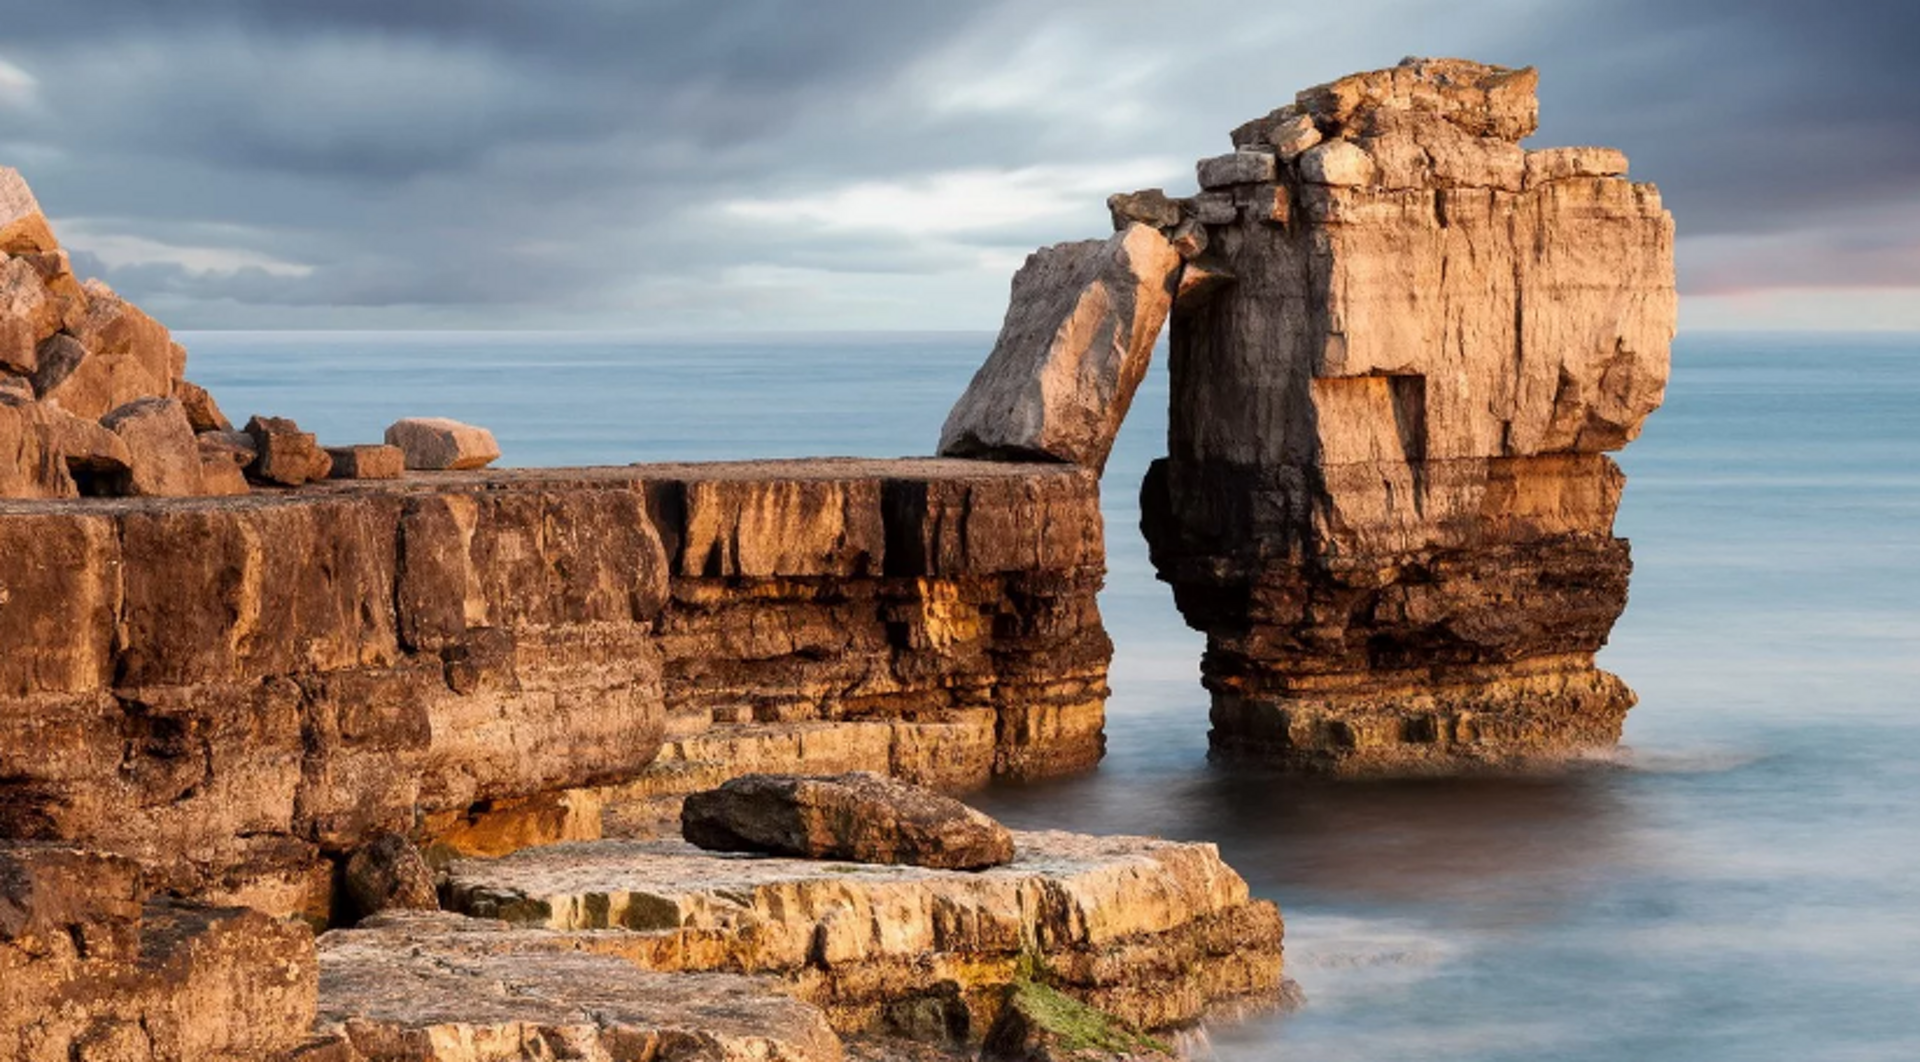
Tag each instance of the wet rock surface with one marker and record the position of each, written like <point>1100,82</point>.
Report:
<point>858,817</point>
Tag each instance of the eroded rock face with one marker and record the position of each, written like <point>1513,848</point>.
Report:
<point>90,969</point>
<point>1152,932</point>
<point>860,817</point>
<point>1387,500</point>
<point>230,690</point>
<point>1075,344</point>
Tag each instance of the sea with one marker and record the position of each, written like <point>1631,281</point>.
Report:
<point>1743,883</point>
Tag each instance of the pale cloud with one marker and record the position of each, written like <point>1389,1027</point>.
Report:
<point>118,249</point>
<point>959,201</point>
<point>18,89</point>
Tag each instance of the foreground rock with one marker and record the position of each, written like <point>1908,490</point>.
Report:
<point>440,988</point>
<point>436,443</point>
<point>90,969</point>
<point>1386,500</point>
<point>1076,342</point>
<point>1151,932</point>
<point>861,817</point>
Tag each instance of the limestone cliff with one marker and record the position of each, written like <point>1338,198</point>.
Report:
<point>228,690</point>
<point>1387,500</point>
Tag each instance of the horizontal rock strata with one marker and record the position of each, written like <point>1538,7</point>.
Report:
<point>233,691</point>
<point>1386,499</point>
<point>1153,932</point>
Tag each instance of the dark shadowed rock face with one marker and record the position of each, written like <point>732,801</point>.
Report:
<point>859,817</point>
<point>389,875</point>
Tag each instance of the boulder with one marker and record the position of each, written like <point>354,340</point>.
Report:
<point>859,817</point>
<point>389,874</point>
<point>202,411</point>
<point>46,452</point>
<point>164,459</point>
<point>286,456</point>
<point>29,313</point>
<point>368,461</point>
<point>23,228</point>
<point>128,355</point>
<point>437,443</point>
<point>1075,344</point>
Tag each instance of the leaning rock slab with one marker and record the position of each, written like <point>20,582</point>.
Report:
<point>436,443</point>
<point>1075,344</point>
<point>389,874</point>
<point>861,817</point>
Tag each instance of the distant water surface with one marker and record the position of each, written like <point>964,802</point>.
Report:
<point>1748,888</point>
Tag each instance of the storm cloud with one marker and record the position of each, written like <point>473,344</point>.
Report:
<point>838,163</point>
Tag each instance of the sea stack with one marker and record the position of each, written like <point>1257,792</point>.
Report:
<point>1387,499</point>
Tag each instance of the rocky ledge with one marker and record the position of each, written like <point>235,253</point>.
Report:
<point>1152,933</point>
<point>237,692</point>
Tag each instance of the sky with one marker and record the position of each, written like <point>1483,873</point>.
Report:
<point>874,164</point>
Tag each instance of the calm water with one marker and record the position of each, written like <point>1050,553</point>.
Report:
<point>1749,888</point>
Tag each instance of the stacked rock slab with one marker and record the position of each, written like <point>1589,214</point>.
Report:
<point>1152,932</point>
<point>238,692</point>
<point>1387,499</point>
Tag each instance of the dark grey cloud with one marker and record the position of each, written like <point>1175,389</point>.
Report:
<point>359,164</point>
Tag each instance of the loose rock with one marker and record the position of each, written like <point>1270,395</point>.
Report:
<point>367,462</point>
<point>1241,167</point>
<point>286,455</point>
<point>390,875</point>
<point>863,818</point>
<point>202,411</point>
<point>436,443</point>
